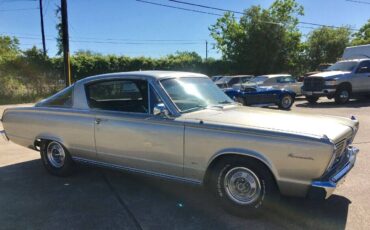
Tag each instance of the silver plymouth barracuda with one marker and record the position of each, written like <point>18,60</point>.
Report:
<point>181,126</point>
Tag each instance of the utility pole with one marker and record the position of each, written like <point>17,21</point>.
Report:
<point>65,41</point>
<point>42,28</point>
<point>206,50</point>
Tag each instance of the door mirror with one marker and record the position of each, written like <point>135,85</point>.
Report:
<point>160,110</point>
<point>363,69</point>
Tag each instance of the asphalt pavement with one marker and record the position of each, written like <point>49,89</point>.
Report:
<point>97,198</point>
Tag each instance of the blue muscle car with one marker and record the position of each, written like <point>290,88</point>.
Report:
<point>262,96</point>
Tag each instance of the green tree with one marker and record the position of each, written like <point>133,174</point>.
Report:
<point>362,37</point>
<point>326,45</point>
<point>9,47</point>
<point>263,40</point>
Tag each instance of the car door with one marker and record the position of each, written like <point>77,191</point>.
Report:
<point>127,134</point>
<point>361,79</point>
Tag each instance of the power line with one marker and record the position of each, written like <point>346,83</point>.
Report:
<point>179,8</point>
<point>361,2</point>
<point>21,9</point>
<point>238,12</point>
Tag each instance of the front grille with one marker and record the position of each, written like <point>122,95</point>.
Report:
<point>313,84</point>
<point>340,147</point>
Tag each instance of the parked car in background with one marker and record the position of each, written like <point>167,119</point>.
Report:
<point>278,81</point>
<point>216,78</point>
<point>347,78</point>
<point>322,67</point>
<point>181,126</point>
<point>263,96</point>
<point>229,81</point>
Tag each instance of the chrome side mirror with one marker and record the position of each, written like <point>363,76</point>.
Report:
<point>160,110</point>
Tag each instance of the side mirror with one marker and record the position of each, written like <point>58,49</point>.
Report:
<point>160,110</point>
<point>363,69</point>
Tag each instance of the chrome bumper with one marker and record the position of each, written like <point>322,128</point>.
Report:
<point>330,184</point>
<point>323,92</point>
<point>3,135</point>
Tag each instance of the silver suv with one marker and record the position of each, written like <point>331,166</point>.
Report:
<point>341,81</point>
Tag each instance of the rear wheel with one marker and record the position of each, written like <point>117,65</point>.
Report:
<point>56,158</point>
<point>312,99</point>
<point>286,102</point>
<point>243,186</point>
<point>240,100</point>
<point>342,95</point>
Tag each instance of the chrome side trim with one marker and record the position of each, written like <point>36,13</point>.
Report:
<point>335,180</point>
<point>133,170</point>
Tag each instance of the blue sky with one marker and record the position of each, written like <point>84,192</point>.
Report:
<point>128,27</point>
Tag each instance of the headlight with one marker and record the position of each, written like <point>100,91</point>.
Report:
<point>331,82</point>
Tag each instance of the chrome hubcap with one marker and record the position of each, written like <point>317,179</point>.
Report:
<point>55,154</point>
<point>242,185</point>
<point>287,100</point>
<point>344,95</point>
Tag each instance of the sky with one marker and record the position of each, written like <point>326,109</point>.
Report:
<point>132,28</point>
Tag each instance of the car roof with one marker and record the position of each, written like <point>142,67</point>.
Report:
<point>150,74</point>
<point>276,75</point>
<point>355,60</point>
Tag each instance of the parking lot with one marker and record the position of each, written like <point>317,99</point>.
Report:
<point>95,198</point>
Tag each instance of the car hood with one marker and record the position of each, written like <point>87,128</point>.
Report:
<point>335,128</point>
<point>330,74</point>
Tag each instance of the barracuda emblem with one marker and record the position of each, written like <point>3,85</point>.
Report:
<point>293,155</point>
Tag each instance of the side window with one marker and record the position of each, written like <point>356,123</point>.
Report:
<point>245,79</point>
<point>365,64</point>
<point>286,79</point>
<point>119,95</point>
<point>270,81</point>
<point>234,81</point>
<point>63,99</point>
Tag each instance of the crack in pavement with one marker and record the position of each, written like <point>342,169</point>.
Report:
<point>121,201</point>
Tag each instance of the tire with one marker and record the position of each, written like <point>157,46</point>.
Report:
<point>312,99</point>
<point>256,177</point>
<point>342,95</point>
<point>286,102</point>
<point>240,100</point>
<point>56,159</point>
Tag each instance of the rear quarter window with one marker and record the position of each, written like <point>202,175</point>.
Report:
<point>62,99</point>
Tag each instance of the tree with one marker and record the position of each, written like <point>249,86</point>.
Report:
<point>263,40</point>
<point>326,45</point>
<point>362,37</point>
<point>9,47</point>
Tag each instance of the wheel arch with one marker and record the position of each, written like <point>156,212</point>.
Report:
<point>345,84</point>
<point>41,137</point>
<point>238,153</point>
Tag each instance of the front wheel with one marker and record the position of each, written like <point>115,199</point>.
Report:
<point>342,95</point>
<point>243,186</point>
<point>286,102</point>
<point>55,158</point>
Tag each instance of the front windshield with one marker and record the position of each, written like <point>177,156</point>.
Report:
<point>258,80</point>
<point>194,93</point>
<point>343,66</point>
<point>224,80</point>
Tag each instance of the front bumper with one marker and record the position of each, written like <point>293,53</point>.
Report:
<point>324,92</point>
<point>325,186</point>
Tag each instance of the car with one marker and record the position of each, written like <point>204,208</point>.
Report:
<point>263,96</point>
<point>216,77</point>
<point>342,81</point>
<point>229,81</point>
<point>181,126</point>
<point>279,81</point>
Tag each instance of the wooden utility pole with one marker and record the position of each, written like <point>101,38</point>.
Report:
<point>206,50</point>
<point>42,28</point>
<point>65,41</point>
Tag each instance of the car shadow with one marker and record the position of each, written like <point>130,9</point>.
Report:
<point>353,103</point>
<point>100,198</point>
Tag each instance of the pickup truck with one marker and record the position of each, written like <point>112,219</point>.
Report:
<point>341,81</point>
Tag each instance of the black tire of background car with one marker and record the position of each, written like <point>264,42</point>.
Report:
<point>338,99</point>
<point>281,105</point>
<point>240,100</point>
<point>269,197</point>
<point>312,99</point>
<point>65,170</point>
